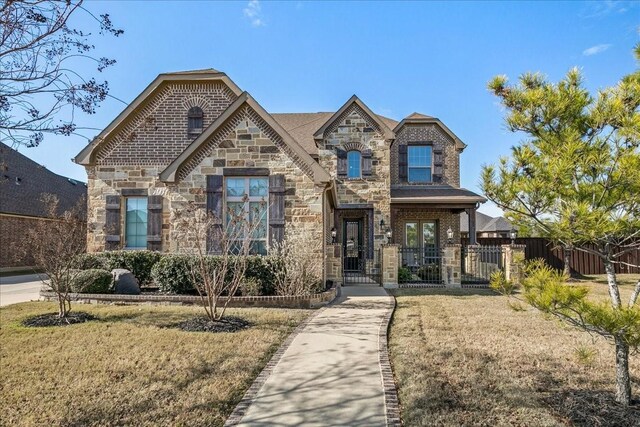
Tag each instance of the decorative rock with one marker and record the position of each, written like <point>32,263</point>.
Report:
<point>125,282</point>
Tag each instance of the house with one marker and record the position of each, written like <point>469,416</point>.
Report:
<point>486,226</point>
<point>22,184</point>
<point>352,176</point>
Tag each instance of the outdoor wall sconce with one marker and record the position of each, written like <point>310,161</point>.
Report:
<point>450,235</point>
<point>513,234</point>
<point>382,224</point>
<point>388,234</point>
<point>334,233</point>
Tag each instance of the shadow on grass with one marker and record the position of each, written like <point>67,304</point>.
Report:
<point>467,292</point>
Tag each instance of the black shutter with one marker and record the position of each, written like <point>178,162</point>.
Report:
<point>214,207</point>
<point>276,208</point>
<point>342,162</point>
<point>402,162</point>
<point>154,223</point>
<point>112,223</point>
<point>437,165</point>
<point>366,162</point>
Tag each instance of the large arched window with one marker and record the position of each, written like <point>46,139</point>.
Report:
<point>354,164</point>
<point>195,120</point>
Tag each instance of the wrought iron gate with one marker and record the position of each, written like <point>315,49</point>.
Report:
<point>360,265</point>
<point>420,265</point>
<point>479,262</point>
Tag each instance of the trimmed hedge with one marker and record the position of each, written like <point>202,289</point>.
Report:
<point>92,281</point>
<point>139,263</point>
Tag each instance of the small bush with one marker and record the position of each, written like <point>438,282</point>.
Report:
<point>91,261</point>
<point>250,287</point>
<point>92,281</point>
<point>139,263</point>
<point>404,275</point>
<point>172,274</point>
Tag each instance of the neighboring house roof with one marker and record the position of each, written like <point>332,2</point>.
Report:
<point>170,174</point>
<point>384,128</point>
<point>485,223</point>
<point>418,118</point>
<point>434,194</point>
<point>23,181</point>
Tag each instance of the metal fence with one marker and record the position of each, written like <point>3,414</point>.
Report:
<point>480,262</point>
<point>361,265</point>
<point>420,265</point>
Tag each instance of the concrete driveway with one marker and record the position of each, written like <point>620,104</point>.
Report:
<point>14,289</point>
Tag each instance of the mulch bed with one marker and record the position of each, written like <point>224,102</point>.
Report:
<point>203,324</point>
<point>52,319</point>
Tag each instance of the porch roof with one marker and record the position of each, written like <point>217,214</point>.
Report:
<point>434,194</point>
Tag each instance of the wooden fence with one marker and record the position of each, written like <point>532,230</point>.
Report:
<point>581,262</point>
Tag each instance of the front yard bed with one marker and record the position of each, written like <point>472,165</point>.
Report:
<point>463,357</point>
<point>130,367</point>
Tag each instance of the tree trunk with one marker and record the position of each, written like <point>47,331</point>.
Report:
<point>566,252</point>
<point>614,292</point>
<point>623,382</point>
<point>634,295</point>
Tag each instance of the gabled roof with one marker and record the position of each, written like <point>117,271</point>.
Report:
<point>170,173</point>
<point>23,182</point>
<point>418,118</point>
<point>386,131</point>
<point>485,223</point>
<point>209,74</point>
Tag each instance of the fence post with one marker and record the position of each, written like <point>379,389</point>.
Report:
<point>389,268</point>
<point>451,261</point>
<point>514,262</point>
<point>333,263</point>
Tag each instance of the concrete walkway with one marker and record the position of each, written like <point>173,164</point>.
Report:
<point>16,289</point>
<point>330,374</point>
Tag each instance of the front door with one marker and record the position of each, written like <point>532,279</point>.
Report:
<point>352,245</point>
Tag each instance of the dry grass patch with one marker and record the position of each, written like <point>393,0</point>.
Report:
<point>127,368</point>
<point>463,357</point>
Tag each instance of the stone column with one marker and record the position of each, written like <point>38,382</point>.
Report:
<point>472,263</point>
<point>451,274</point>
<point>389,267</point>
<point>333,263</point>
<point>514,262</point>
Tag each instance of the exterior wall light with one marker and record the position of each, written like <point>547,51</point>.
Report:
<point>382,224</point>
<point>334,233</point>
<point>450,235</point>
<point>513,234</point>
<point>389,235</point>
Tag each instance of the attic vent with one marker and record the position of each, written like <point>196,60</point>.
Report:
<point>18,180</point>
<point>195,121</point>
<point>72,181</point>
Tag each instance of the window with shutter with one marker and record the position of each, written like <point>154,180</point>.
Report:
<point>154,223</point>
<point>419,163</point>
<point>354,164</point>
<point>276,208</point>
<point>112,223</point>
<point>342,162</point>
<point>402,162</point>
<point>246,198</point>
<point>214,208</point>
<point>366,162</point>
<point>135,223</point>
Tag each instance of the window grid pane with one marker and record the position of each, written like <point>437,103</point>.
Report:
<point>354,162</point>
<point>136,222</point>
<point>419,163</point>
<point>248,197</point>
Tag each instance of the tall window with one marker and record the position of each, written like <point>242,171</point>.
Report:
<point>247,198</point>
<point>354,164</point>
<point>136,223</point>
<point>195,120</point>
<point>419,163</point>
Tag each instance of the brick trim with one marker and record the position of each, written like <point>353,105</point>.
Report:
<point>391,403</point>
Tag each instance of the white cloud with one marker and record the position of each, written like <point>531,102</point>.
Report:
<point>594,50</point>
<point>253,11</point>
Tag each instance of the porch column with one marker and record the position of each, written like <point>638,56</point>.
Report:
<point>389,267</point>
<point>451,262</point>
<point>471,213</point>
<point>333,263</point>
<point>514,263</point>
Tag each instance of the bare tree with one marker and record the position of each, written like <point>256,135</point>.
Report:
<point>54,244</point>
<point>230,241</point>
<point>297,265</point>
<point>40,89</point>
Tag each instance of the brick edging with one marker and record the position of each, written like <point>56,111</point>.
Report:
<point>391,403</point>
<point>252,392</point>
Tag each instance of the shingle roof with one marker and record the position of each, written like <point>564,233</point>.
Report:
<point>302,126</point>
<point>419,116</point>
<point>484,223</point>
<point>23,181</point>
<point>433,194</point>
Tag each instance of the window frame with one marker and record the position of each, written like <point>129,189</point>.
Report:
<point>428,167</point>
<point>247,207</point>
<point>126,246</point>
<point>420,228</point>
<point>359,176</point>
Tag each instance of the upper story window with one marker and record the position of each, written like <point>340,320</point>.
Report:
<point>354,164</point>
<point>419,163</point>
<point>246,200</point>
<point>136,223</point>
<point>195,118</point>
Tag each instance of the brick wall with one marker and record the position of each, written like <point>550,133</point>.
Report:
<point>445,219</point>
<point>12,232</point>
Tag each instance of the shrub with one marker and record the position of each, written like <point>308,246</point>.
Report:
<point>91,261</point>
<point>250,287</point>
<point>92,281</point>
<point>404,275</point>
<point>172,274</point>
<point>137,262</point>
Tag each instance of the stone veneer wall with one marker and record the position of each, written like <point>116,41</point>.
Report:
<point>444,217</point>
<point>356,130</point>
<point>248,145</point>
<point>428,133</point>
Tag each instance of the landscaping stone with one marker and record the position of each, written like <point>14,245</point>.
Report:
<point>125,282</point>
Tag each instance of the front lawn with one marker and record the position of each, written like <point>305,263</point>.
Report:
<point>128,368</point>
<point>463,357</point>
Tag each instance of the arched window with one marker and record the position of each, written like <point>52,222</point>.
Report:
<point>354,164</point>
<point>195,120</point>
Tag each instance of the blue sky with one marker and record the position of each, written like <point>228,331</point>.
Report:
<point>398,57</point>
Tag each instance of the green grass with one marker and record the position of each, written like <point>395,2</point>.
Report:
<point>463,357</point>
<point>128,368</point>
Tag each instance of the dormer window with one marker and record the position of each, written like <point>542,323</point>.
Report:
<point>195,121</point>
<point>354,164</point>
